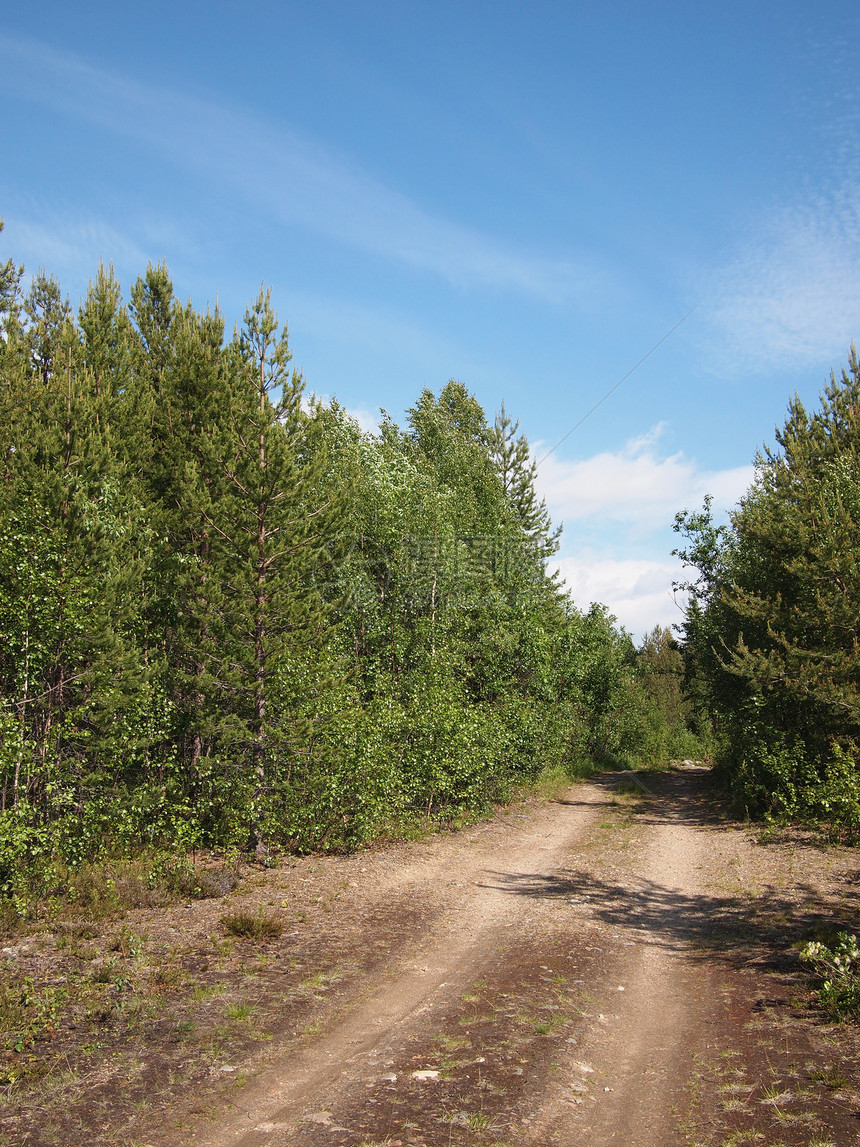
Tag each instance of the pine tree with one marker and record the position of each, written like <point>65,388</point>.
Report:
<point>773,627</point>
<point>272,527</point>
<point>47,313</point>
<point>74,542</point>
<point>11,275</point>
<point>517,470</point>
<point>178,384</point>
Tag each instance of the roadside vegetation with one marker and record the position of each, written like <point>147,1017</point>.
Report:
<point>838,970</point>
<point>234,627</point>
<point>772,643</point>
<point>772,633</point>
<point>232,620</point>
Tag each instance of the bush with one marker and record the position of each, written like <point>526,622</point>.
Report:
<point>771,624</point>
<point>252,925</point>
<point>839,969</point>
<point>777,776</point>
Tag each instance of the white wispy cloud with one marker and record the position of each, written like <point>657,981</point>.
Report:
<point>622,502</point>
<point>71,244</point>
<point>366,419</point>
<point>638,592</point>
<point>295,179</point>
<point>380,330</point>
<point>635,485</point>
<point>789,293</point>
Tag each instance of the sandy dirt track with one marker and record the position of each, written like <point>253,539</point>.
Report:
<point>569,984</point>
<point>614,966</point>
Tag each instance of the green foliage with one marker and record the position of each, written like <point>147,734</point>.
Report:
<point>29,1013</point>
<point>669,727</point>
<point>517,471</point>
<point>228,619</point>
<point>42,885</point>
<point>772,630</point>
<point>838,968</point>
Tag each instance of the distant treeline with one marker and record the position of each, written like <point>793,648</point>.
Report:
<point>229,617</point>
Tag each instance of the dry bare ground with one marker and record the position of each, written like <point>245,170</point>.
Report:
<point>612,967</point>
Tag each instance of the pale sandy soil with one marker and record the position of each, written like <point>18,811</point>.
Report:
<point>607,968</point>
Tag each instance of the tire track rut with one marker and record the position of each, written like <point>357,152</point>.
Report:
<point>589,974</point>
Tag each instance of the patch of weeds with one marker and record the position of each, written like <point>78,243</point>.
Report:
<point>57,1078</point>
<point>524,1019</point>
<point>476,1018</point>
<point>451,1042</point>
<point>85,932</point>
<point>104,973</point>
<point>838,967</point>
<point>548,1026</point>
<point>167,978</point>
<point>29,1012</point>
<point>185,881</point>
<point>127,944</point>
<point>320,981</point>
<point>552,784</point>
<point>203,992</point>
<point>449,1064</point>
<point>183,1032</point>
<point>830,1076</point>
<point>736,1088</point>
<point>734,1103</point>
<point>471,1120</point>
<point>223,945</point>
<point>104,888</point>
<point>10,917</point>
<point>84,952</point>
<point>773,1096</point>
<point>240,1011</point>
<point>100,1013</point>
<point>799,1118</point>
<point>478,1121</point>
<point>257,925</point>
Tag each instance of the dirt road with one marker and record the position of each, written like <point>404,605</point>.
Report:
<point>585,974</point>
<point>614,967</point>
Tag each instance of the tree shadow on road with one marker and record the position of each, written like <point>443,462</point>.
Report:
<point>689,795</point>
<point>736,926</point>
<point>739,927</point>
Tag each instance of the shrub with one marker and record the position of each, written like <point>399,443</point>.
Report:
<point>839,969</point>
<point>252,925</point>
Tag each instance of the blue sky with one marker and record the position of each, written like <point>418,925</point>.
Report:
<point>522,197</point>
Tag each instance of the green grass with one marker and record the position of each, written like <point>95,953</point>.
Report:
<point>241,1011</point>
<point>548,1026</point>
<point>830,1076</point>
